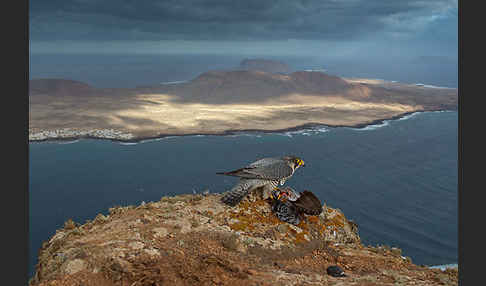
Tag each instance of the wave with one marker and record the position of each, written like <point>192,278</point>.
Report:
<point>431,86</point>
<point>386,122</point>
<point>306,131</point>
<point>408,116</point>
<point>68,142</point>
<point>440,111</point>
<point>174,82</point>
<point>444,266</point>
<point>373,126</point>
<point>128,143</point>
<point>147,140</point>
<point>154,139</point>
<point>316,130</point>
<point>245,134</point>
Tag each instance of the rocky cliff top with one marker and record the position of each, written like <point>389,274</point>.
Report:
<point>197,240</point>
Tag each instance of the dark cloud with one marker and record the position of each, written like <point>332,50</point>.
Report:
<point>92,20</point>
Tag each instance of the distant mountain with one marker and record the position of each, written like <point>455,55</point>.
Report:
<point>58,87</point>
<point>246,86</point>
<point>253,86</point>
<point>264,65</point>
<point>212,86</point>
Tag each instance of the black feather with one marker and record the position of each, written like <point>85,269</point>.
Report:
<point>308,203</point>
<point>286,212</point>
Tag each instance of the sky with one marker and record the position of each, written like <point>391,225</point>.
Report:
<point>380,32</point>
<point>284,26</point>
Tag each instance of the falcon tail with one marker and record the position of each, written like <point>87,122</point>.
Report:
<point>236,194</point>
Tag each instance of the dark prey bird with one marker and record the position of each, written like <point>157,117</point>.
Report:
<point>266,172</point>
<point>290,206</point>
<point>285,210</point>
<point>305,202</point>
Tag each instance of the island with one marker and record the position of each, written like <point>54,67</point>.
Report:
<point>223,102</point>
<point>194,239</point>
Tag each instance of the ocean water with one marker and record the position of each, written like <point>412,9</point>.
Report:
<point>396,180</point>
<point>131,70</point>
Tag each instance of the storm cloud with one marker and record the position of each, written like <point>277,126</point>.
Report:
<point>151,20</point>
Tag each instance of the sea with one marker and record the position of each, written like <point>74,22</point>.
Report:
<point>397,179</point>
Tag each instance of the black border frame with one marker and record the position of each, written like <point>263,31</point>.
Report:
<point>15,177</point>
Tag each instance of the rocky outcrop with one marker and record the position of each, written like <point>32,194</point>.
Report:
<point>197,240</point>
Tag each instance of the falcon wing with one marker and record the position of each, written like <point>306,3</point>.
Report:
<point>264,162</point>
<point>267,168</point>
<point>308,203</point>
<point>273,171</point>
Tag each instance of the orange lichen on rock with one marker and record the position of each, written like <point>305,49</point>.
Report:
<point>252,214</point>
<point>313,219</point>
<point>179,242</point>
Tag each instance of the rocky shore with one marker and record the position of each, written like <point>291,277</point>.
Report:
<point>123,136</point>
<point>197,240</point>
<point>68,133</point>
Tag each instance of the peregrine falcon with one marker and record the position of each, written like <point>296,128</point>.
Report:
<point>266,172</point>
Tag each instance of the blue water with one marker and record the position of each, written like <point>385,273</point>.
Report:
<point>397,181</point>
<point>131,70</point>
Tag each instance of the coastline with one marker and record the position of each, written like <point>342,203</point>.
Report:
<point>129,138</point>
<point>280,104</point>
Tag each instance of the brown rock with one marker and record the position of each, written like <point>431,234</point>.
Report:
<point>221,253</point>
<point>74,266</point>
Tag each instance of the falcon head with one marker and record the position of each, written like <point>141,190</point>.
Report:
<point>295,161</point>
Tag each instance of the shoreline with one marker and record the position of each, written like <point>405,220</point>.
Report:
<point>301,127</point>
